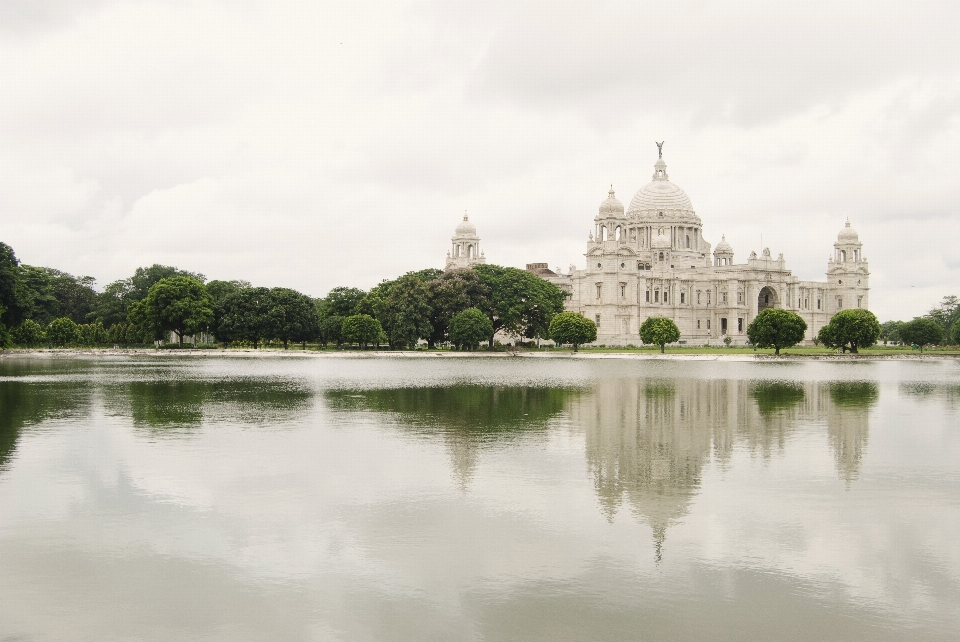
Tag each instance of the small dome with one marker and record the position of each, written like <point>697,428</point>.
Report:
<point>723,247</point>
<point>611,205</point>
<point>848,234</point>
<point>466,228</point>
<point>660,193</point>
<point>660,242</point>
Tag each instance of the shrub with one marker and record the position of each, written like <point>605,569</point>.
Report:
<point>469,328</point>
<point>572,328</point>
<point>659,331</point>
<point>62,332</point>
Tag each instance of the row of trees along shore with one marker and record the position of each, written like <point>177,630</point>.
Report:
<point>465,308</point>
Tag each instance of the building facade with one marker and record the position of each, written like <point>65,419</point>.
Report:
<point>651,260</point>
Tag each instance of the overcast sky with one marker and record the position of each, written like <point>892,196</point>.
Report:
<point>314,144</point>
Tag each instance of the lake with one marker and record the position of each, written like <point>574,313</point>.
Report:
<point>438,498</point>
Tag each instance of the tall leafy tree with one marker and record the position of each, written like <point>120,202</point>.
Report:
<point>851,330</point>
<point>946,314</point>
<point>659,331</point>
<point>112,306</point>
<point>777,329</point>
<point>179,304</point>
<point>520,302</point>
<point>245,316</point>
<point>572,328</point>
<point>293,316</point>
<point>407,312</point>
<point>921,332</point>
<point>452,292</point>
<point>144,278</point>
<point>14,304</point>
<point>341,302</point>
<point>331,331</point>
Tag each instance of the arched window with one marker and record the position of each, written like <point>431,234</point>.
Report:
<point>618,232</point>
<point>688,240</point>
<point>661,256</point>
<point>843,256</point>
<point>469,251</point>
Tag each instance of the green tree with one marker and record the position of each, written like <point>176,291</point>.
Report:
<point>112,306</point>
<point>469,328</point>
<point>331,331</point>
<point>574,328</point>
<point>452,292</point>
<point>659,331</point>
<point>293,316</point>
<point>946,314</point>
<point>341,302</point>
<point>851,330</point>
<point>28,334</point>
<point>406,312</point>
<point>179,304</point>
<point>62,332</point>
<point>520,302</point>
<point>14,302</point>
<point>91,334</point>
<point>361,329</point>
<point>955,332</point>
<point>777,329</point>
<point>245,316</point>
<point>921,332</point>
<point>145,278</point>
<point>890,331</point>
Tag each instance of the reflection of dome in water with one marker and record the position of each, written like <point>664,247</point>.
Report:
<point>641,446</point>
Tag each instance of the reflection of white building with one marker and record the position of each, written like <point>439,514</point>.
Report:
<point>466,247</point>
<point>652,260</point>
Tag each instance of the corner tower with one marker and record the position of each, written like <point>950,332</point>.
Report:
<point>465,251</point>
<point>848,275</point>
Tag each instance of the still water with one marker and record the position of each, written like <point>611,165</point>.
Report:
<point>478,499</point>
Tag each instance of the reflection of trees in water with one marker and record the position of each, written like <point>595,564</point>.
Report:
<point>466,416</point>
<point>186,403</point>
<point>24,404</point>
<point>848,423</point>
<point>647,440</point>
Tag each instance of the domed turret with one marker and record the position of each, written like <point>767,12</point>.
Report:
<point>611,206</point>
<point>660,195</point>
<point>466,228</point>
<point>465,251</point>
<point>723,255</point>
<point>848,247</point>
<point>848,234</point>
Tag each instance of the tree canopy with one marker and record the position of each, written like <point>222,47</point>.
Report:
<point>659,331</point>
<point>851,330</point>
<point>244,315</point>
<point>921,332</point>
<point>62,332</point>
<point>179,304</point>
<point>450,293</point>
<point>777,329</point>
<point>573,328</point>
<point>469,328</point>
<point>292,316</point>
<point>362,329</point>
<point>341,302</point>
<point>520,302</point>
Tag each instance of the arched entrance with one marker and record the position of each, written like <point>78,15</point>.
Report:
<point>767,298</point>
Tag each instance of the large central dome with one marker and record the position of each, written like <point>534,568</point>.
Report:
<point>660,194</point>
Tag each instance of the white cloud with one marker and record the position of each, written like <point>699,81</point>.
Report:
<point>315,145</point>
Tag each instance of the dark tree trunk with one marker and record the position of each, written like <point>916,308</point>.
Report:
<point>663,347</point>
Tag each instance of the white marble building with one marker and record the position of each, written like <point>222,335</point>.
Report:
<point>651,260</point>
<point>465,251</point>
